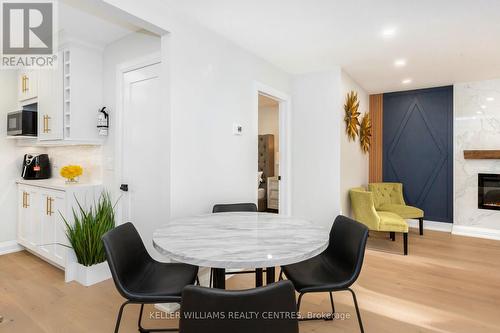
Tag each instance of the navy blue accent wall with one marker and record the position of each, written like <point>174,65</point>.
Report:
<point>418,148</point>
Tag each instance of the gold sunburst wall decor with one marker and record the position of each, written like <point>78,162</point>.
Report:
<point>351,115</point>
<point>365,133</point>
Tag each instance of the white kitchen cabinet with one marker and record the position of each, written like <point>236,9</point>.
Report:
<point>50,105</point>
<point>42,203</point>
<point>68,96</point>
<point>28,217</point>
<point>27,86</point>
<point>52,226</point>
<point>83,91</point>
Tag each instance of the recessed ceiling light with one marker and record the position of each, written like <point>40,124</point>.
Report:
<point>490,99</point>
<point>400,62</point>
<point>483,107</point>
<point>479,112</point>
<point>388,32</point>
<point>406,81</point>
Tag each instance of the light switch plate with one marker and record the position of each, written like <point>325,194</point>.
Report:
<point>237,129</point>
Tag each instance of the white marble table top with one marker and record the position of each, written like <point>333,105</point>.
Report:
<point>240,240</point>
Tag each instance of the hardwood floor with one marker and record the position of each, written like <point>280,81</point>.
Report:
<point>446,284</point>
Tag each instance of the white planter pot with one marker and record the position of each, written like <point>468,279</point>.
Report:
<point>86,276</point>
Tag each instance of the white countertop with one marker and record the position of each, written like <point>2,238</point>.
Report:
<point>55,183</point>
<point>240,240</point>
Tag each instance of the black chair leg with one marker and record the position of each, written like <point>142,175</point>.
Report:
<point>298,302</point>
<point>405,243</point>
<point>421,225</point>
<point>331,302</point>
<point>210,280</point>
<point>141,329</point>
<point>148,330</point>
<point>357,310</point>
<point>119,318</point>
<point>316,318</point>
<point>392,234</point>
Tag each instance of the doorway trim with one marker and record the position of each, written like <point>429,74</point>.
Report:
<point>121,70</point>
<point>284,101</point>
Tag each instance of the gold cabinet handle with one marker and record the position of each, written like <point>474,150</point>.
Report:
<point>24,199</point>
<point>27,203</point>
<point>46,128</point>
<point>47,206</point>
<point>27,83</point>
<point>50,206</point>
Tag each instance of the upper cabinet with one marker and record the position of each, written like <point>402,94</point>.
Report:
<point>68,96</point>
<point>50,103</point>
<point>27,85</point>
<point>82,73</point>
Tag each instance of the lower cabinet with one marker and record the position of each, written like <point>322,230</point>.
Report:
<point>41,228</point>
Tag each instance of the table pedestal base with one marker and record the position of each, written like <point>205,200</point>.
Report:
<point>219,277</point>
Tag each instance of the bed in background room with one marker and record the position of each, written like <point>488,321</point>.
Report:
<point>265,168</point>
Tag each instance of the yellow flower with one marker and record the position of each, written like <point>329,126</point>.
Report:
<point>71,171</point>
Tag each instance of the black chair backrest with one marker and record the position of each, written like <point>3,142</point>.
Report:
<point>238,207</point>
<point>210,310</point>
<point>347,245</point>
<point>126,254</point>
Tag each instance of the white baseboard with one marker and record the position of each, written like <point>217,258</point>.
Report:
<point>432,225</point>
<point>9,247</point>
<point>471,231</point>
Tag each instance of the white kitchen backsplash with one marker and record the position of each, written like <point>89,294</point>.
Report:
<point>476,126</point>
<point>88,157</point>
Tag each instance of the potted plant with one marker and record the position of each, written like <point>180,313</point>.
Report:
<point>86,262</point>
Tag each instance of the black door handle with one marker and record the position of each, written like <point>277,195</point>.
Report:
<point>124,187</point>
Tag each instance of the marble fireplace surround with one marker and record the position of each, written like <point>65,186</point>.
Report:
<point>476,127</point>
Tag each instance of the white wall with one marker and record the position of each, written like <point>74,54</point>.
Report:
<point>316,146</point>
<point>9,158</point>
<point>211,84</point>
<point>269,124</point>
<point>475,128</point>
<point>353,162</point>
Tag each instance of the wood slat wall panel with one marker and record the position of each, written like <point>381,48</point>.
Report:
<point>376,115</point>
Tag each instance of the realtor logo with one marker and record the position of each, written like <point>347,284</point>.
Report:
<point>27,33</point>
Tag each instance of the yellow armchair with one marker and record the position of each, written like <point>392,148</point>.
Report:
<point>363,207</point>
<point>388,197</point>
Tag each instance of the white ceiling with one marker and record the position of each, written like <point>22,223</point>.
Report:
<point>443,41</point>
<point>81,20</point>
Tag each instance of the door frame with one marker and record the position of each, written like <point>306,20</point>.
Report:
<point>284,101</point>
<point>121,70</point>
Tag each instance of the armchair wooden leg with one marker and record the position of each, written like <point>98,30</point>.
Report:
<point>405,243</point>
<point>392,234</point>
<point>421,225</point>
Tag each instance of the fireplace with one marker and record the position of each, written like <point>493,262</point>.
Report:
<point>488,191</point>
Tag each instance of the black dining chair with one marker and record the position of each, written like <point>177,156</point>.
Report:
<point>138,277</point>
<point>337,268</point>
<point>237,207</point>
<point>268,309</point>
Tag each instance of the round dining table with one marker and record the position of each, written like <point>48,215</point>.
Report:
<point>240,240</point>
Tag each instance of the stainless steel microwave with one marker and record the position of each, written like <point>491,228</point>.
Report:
<point>23,122</point>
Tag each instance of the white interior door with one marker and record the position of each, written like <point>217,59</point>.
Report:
<point>143,153</point>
